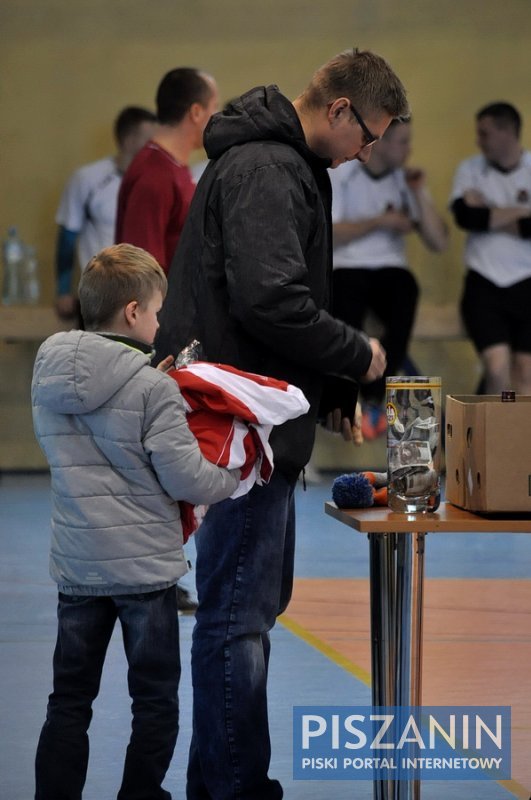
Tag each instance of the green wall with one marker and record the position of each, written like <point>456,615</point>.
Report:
<point>68,67</point>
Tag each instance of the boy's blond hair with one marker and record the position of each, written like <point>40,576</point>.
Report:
<point>113,278</point>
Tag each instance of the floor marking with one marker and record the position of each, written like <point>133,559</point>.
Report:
<point>334,655</point>
<point>511,786</point>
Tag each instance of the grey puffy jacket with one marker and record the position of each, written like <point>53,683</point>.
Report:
<point>121,455</point>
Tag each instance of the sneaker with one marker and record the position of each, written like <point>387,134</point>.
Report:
<point>185,603</point>
<point>373,423</point>
<point>381,424</point>
<point>367,428</point>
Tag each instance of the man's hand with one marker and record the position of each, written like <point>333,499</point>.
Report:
<point>378,363</point>
<point>357,435</point>
<point>415,178</point>
<point>473,197</point>
<point>335,423</point>
<point>396,221</point>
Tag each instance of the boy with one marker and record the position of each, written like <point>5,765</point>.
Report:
<point>121,455</point>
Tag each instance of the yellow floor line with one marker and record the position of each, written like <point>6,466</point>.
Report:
<point>515,788</point>
<point>511,786</point>
<point>334,655</point>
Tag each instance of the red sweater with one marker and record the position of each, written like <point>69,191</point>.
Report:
<point>153,203</point>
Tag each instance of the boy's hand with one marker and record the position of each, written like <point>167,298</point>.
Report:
<point>166,364</point>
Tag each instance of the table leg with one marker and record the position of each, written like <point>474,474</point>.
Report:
<point>396,588</point>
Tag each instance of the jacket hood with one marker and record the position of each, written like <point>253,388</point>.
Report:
<point>76,372</point>
<point>261,114</point>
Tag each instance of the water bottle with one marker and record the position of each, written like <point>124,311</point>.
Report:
<point>30,278</point>
<point>13,253</point>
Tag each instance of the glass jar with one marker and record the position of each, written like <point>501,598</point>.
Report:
<point>413,443</point>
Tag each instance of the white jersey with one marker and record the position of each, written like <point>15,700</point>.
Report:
<point>88,206</point>
<point>198,169</point>
<point>502,258</point>
<point>357,195</point>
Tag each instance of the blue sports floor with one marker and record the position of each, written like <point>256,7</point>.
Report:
<point>302,671</point>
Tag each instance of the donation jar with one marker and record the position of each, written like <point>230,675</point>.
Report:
<point>413,443</point>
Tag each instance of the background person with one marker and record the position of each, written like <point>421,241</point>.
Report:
<point>157,188</point>
<point>250,280</point>
<point>491,200</point>
<point>87,211</point>
<point>375,206</point>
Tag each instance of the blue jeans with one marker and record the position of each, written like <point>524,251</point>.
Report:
<point>151,641</point>
<point>244,576</point>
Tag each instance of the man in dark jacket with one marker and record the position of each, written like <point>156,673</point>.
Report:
<point>250,280</point>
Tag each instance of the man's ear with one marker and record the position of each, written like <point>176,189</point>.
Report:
<point>130,313</point>
<point>196,112</point>
<point>337,109</point>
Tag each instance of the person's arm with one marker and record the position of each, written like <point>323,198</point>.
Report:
<point>472,213</point>
<point>339,409</point>
<point>524,227</point>
<point>71,219</point>
<point>269,287</point>
<point>475,219</point>
<point>174,454</point>
<point>505,219</point>
<point>430,225</point>
<point>65,301</point>
<point>391,220</point>
<point>266,224</point>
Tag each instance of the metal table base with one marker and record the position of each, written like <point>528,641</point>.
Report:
<point>397,544</point>
<point>396,602</point>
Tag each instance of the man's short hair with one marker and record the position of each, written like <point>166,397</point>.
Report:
<point>178,90</point>
<point>365,78</point>
<point>129,119</point>
<point>113,278</point>
<point>504,115</point>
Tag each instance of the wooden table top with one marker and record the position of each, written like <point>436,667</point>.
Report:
<point>447,519</point>
<point>30,323</point>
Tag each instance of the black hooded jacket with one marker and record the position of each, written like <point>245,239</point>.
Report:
<point>251,276</point>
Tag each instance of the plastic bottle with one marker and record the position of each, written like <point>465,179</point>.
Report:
<point>30,278</point>
<point>13,253</point>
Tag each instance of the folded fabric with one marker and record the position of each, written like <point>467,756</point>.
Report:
<point>231,413</point>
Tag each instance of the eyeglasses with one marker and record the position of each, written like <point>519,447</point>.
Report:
<point>370,138</point>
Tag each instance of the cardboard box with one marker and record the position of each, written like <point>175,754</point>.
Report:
<point>488,453</point>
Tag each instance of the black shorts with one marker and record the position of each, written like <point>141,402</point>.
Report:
<point>497,315</point>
